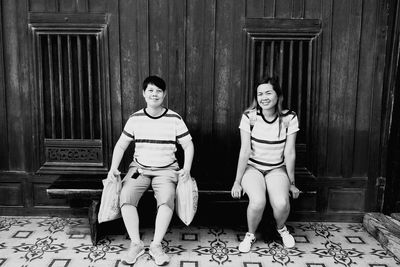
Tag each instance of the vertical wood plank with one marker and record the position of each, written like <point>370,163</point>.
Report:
<point>51,87</point>
<point>374,142</point>
<point>40,113</point>
<point>52,6</point>
<point>270,8</point>
<point>4,157</point>
<point>281,53</point>
<point>67,6</point>
<point>60,85</point>
<point>37,5</point>
<point>283,8</point>
<point>271,59</point>
<point>158,43</point>
<point>251,70</point>
<point>80,89</point>
<point>208,87</point>
<point>290,76</point>
<point>300,79</point>
<point>130,83</point>
<point>222,93</point>
<point>350,101</point>
<point>255,8</point>
<point>313,9</point>
<point>98,6</point>
<point>70,88</point>
<point>236,109</point>
<point>131,87</point>
<point>90,85</point>
<point>194,38</point>
<point>176,58</point>
<point>143,42</point>
<point>82,6</point>
<point>115,70</point>
<point>340,46</point>
<point>323,117</point>
<point>298,9</point>
<point>365,90</point>
<point>311,57</point>
<point>262,61</point>
<point>12,85</point>
<point>99,72</point>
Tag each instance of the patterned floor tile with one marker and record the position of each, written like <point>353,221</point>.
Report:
<point>60,263</point>
<point>49,241</point>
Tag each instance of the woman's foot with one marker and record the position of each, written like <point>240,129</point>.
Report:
<point>287,238</point>
<point>157,253</point>
<point>247,242</point>
<point>135,251</point>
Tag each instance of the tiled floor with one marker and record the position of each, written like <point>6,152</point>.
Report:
<point>44,241</point>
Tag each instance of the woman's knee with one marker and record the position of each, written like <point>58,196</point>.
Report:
<point>257,203</point>
<point>280,204</point>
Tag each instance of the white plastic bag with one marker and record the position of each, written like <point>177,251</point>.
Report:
<point>109,206</point>
<point>187,196</point>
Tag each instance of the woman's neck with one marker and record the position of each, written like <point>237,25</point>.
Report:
<point>155,111</point>
<point>269,114</point>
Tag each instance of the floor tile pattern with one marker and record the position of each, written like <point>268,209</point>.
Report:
<point>46,241</point>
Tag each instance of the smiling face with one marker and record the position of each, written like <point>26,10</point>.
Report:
<point>266,96</point>
<point>154,96</point>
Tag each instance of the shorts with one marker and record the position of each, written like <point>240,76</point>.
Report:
<point>280,171</point>
<point>163,181</point>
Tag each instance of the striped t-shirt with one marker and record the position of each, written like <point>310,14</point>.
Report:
<point>267,151</point>
<point>156,137</point>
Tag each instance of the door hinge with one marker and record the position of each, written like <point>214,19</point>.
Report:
<point>380,191</point>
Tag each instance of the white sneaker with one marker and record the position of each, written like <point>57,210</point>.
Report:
<point>135,251</point>
<point>287,238</point>
<point>157,253</point>
<point>247,242</point>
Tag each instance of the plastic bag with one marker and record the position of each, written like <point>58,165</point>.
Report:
<point>187,196</point>
<point>109,206</point>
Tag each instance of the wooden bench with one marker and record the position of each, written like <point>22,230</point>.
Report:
<point>215,202</point>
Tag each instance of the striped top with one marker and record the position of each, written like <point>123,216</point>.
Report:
<point>156,137</point>
<point>267,151</point>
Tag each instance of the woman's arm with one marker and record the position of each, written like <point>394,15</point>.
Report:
<point>119,150</point>
<point>188,149</point>
<point>290,160</point>
<point>244,154</point>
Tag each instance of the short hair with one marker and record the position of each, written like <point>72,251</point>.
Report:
<point>157,81</point>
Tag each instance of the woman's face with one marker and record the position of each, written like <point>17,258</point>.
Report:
<point>266,96</point>
<point>154,96</point>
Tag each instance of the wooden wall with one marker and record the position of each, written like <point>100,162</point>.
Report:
<point>197,46</point>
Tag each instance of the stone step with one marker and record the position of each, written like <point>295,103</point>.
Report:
<point>385,229</point>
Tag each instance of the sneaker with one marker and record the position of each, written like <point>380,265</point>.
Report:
<point>287,238</point>
<point>157,253</point>
<point>135,251</point>
<point>247,242</point>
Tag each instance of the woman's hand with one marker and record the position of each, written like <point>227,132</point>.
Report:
<point>183,175</point>
<point>236,191</point>
<point>295,191</point>
<point>113,174</point>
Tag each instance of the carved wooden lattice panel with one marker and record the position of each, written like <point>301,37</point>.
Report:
<point>288,49</point>
<point>70,62</point>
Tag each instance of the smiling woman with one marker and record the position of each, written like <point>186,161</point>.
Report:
<point>266,160</point>
<point>154,97</point>
<point>155,130</point>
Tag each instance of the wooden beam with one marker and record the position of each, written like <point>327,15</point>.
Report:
<point>385,229</point>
